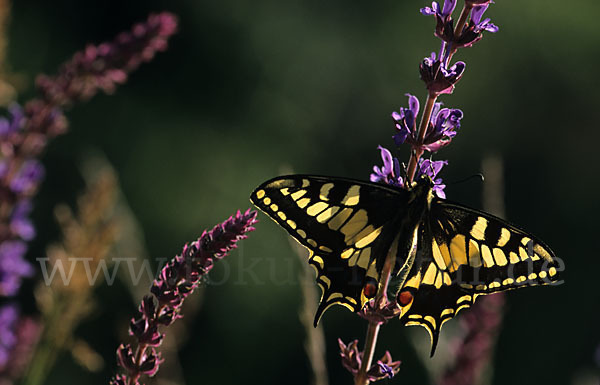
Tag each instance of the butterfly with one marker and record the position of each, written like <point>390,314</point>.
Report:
<point>447,253</point>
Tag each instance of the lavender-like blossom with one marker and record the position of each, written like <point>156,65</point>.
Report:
<point>406,121</point>
<point>26,131</point>
<point>444,24</point>
<point>390,172</point>
<point>178,279</point>
<point>104,66</point>
<point>473,32</point>
<point>13,268</point>
<point>469,34</point>
<point>438,77</point>
<point>8,325</point>
<point>431,169</point>
<point>474,351</point>
<point>442,126</point>
<point>13,123</point>
<point>352,359</point>
<point>24,336</point>
<point>442,13</point>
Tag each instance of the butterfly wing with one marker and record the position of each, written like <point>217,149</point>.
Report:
<point>347,226</point>
<point>463,253</point>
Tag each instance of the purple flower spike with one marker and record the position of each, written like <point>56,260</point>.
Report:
<point>390,172</point>
<point>107,65</point>
<point>437,77</point>
<point>177,279</point>
<point>431,169</point>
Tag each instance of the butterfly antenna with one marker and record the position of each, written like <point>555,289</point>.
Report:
<point>474,176</point>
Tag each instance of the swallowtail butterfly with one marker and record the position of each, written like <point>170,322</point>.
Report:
<point>350,226</point>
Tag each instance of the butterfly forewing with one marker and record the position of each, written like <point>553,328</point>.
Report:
<point>463,253</point>
<point>347,226</point>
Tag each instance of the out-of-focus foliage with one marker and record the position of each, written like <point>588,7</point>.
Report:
<point>248,87</point>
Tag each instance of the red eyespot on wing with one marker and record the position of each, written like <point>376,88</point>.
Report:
<point>370,289</point>
<point>405,298</point>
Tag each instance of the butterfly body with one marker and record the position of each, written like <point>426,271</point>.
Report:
<point>446,253</point>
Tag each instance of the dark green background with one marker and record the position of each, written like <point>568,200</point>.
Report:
<point>247,87</point>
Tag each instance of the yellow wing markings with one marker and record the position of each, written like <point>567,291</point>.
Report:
<point>316,208</point>
<point>504,237</point>
<point>327,214</point>
<point>338,220</point>
<point>324,192</point>
<point>478,229</point>
<point>355,224</point>
<point>352,196</point>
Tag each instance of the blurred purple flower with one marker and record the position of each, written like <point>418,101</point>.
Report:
<point>25,133</point>
<point>177,279</point>
<point>8,324</point>
<point>352,359</point>
<point>438,78</point>
<point>26,333</point>
<point>14,123</point>
<point>28,177</point>
<point>104,66</point>
<point>13,267</point>
<point>474,352</point>
<point>20,224</point>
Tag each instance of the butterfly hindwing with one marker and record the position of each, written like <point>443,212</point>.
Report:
<point>345,224</point>
<point>463,253</point>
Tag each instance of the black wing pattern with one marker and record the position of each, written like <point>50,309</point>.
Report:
<point>345,224</point>
<point>463,253</point>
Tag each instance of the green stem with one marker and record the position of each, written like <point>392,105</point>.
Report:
<point>43,356</point>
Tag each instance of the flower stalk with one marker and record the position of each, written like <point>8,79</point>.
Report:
<point>436,130</point>
<point>177,279</point>
<point>417,151</point>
